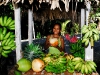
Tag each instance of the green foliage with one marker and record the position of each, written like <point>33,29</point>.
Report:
<point>33,51</point>
<point>77,50</point>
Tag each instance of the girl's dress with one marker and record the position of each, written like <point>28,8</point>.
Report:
<point>54,50</point>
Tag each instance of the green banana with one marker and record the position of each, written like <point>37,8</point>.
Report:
<point>84,40</point>
<point>95,31</point>
<point>84,31</point>
<point>0,33</point>
<point>5,20</point>
<point>1,21</point>
<point>90,33</point>
<point>92,66</point>
<point>12,28</point>
<point>77,66</point>
<point>0,49</point>
<point>13,47</point>
<point>86,35</point>
<point>3,42</point>
<point>1,36</point>
<point>95,37</point>
<point>12,36</point>
<point>8,40</point>
<point>8,21</point>
<point>4,31</point>
<point>7,51</point>
<point>7,35</point>
<point>11,42</point>
<point>4,54</point>
<point>89,68</point>
<point>92,63</point>
<point>11,23</point>
<point>6,47</point>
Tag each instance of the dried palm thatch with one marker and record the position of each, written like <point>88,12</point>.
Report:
<point>53,3</point>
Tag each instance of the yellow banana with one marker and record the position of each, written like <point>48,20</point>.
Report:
<point>89,68</point>
<point>87,42</point>
<point>83,68</point>
<point>86,69</point>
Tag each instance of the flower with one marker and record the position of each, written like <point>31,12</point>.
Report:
<point>71,39</point>
<point>67,36</point>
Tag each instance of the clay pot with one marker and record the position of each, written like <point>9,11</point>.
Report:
<point>30,72</point>
<point>67,73</point>
<point>47,73</point>
<point>58,74</point>
<point>94,73</point>
<point>78,73</point>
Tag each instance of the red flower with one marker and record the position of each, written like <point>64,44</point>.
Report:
<point>73,39</point>
<point>67,37</point>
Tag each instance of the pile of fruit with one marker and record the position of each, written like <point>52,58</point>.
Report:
<point>56,63</point>
<point>7,36</point>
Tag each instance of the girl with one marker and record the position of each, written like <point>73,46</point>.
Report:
<point>56,34</point>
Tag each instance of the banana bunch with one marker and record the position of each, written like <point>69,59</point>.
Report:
<point>7,43</point>
<point>63,26</point>
<point>7,22</point>
<point>85,67</point>
<point>88,67</point>
<point>90,33</point>
<point>69,57</point>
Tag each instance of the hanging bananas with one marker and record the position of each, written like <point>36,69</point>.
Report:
<point>7,22</point>
<point>90,33</point>
<point>7,43</point>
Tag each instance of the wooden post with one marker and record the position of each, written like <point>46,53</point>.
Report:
<point>18,33</point>
<point>30,25</point>
<point>88,50</point>
<point>82,17</point>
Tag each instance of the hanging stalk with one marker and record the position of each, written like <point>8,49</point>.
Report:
<point>91,41</point>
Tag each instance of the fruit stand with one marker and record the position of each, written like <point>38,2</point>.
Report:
<point>30,58</point>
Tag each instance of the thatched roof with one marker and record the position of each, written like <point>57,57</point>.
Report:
<point>53,3</point>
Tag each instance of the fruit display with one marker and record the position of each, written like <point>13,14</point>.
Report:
<point>7,36</point>
<point>33,51</point>
<point>85,67</point>
<point>24,65</point>
<point>69,57</point>
<point>56,63</point>
<point>38,65</point>
<point>77,49</point>
<point>7,22</point>
<point>90,33</point>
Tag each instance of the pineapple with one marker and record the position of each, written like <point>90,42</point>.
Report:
<point>33,51</point>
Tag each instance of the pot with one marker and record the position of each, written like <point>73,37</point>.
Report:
<point>47,73</point>
<point>67,73</point>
